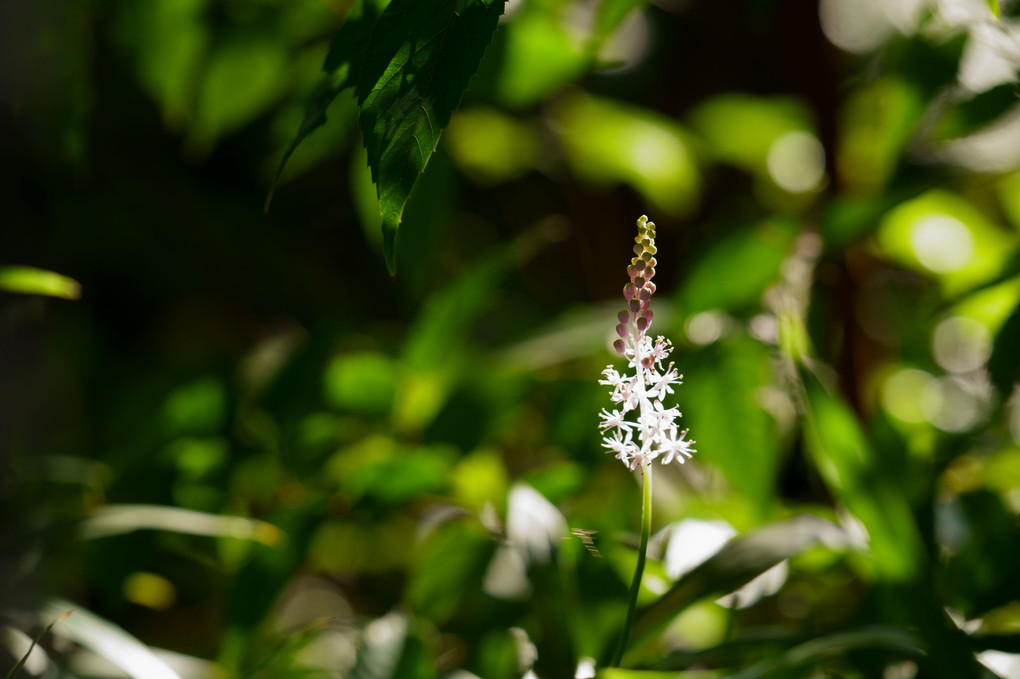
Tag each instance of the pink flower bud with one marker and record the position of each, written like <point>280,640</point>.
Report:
<point>621,330</point>
<point>629,291</point>
<point>642,324</point>
<point>624,316</point>
<point>619,346</point>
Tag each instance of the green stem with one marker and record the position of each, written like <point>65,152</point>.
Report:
<point>635,585</point>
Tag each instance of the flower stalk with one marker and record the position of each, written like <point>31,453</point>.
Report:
<point>642,429</point>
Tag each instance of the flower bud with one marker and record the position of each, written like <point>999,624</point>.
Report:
<point>621,330</point>
<point>642,324</point>
<point>624,316</point>
<point>629,291</point>
<point>619,346</point>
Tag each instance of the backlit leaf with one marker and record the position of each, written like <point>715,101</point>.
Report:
<point>412,78</point>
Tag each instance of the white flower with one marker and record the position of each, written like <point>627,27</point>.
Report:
<point>642,392</point>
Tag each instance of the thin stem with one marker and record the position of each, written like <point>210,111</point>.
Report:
<point>635,585</point>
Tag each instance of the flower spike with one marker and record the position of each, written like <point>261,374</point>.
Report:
<point>652,432</point>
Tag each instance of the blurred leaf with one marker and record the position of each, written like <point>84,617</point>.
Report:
<point>607,142</point>
<point>438,341</point>
<point>876,122</point>
<point>851,471</point>
<point>740,129</point>
<point>382,647</point>
<point>617,673</point>
<point>35,642</point>
<point>244,75</point>
<point>539,56</point>
<point>171,40</point>
<point>744,558</point>
<point>362,383</point>
<point>31,281</point>
<point>120,519</point>
<point>493,148</point>
<point>448,572</point>
<point>993,6</point>
<point>106,639</point>
<point>967,117</point>
<point>940,233</point>
<point>196,408</point>
<point>732,430</point>
<point>412,474</point>
<point>611,14</point>
<point>1003,365</point>
<point>736,270</point>
<point>342,67</point>
<point>479,478</point>
<point>884,637</point>
<point>412,78</point>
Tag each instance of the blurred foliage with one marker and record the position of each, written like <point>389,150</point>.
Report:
<point>235,448</point>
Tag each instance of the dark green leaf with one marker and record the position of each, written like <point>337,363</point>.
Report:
<point>343,62</point>
<point>741,560</point>
<point>342,67</point>
<point>412,78</point>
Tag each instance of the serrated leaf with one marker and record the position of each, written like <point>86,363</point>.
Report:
<point>742,559</point>
<point>342,68</point>
<point>412,78</point>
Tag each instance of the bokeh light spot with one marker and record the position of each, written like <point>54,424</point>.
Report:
<point>942,243</point>
<point>901,394</point>
<point>961,344</point>
<point>796,161</point>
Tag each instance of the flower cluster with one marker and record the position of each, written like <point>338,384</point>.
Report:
<point>653,432</point>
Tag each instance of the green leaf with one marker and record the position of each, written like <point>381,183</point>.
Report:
<point>726,420</point>
<point>741,560</point>
<point>735,271</point>
<point>993,6</point>
<point>851,470</point>
<point>28,280</point>
<point>342,67</point>
<point>412,78</point>
<point>343,62</point>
